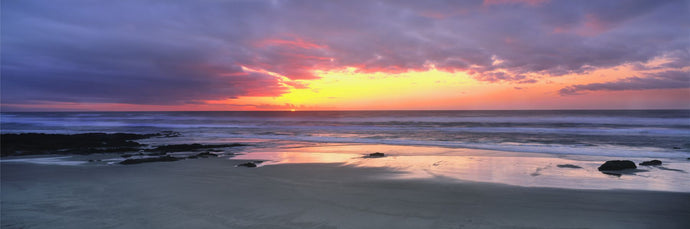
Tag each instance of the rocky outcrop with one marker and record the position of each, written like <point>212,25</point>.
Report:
<point>375,155</point>
<point>89,143</point>
<point>651,163</point>
<point>617,165</point>
<point>249,164</point>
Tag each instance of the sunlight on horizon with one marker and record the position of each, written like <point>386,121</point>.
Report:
<point>351,89</point>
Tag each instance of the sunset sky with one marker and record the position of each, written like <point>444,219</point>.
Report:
<point>344,55</point>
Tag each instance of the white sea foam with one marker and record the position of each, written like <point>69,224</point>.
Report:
<point>44,161</point>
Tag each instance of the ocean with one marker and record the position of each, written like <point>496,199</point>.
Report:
<point>614,133</point>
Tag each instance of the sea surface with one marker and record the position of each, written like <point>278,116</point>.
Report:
<point>615,133</point>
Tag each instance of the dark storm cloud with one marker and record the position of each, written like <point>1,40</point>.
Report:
<point>123,52</point>
<point>177,52</point>
<point>662,80</point>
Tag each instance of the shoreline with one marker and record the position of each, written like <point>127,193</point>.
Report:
<point>490,166</point>
<point>423,162</point>
<point>212,193</point>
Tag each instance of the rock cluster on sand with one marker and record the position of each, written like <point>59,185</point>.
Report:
<point>375,155</point>
<point>617,165</point>
<point>650,163</point>
<point>88,143</point>
<point>570,166</point>
<point>249,164</point>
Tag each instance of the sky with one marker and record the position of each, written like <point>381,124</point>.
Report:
<point>134,55</point>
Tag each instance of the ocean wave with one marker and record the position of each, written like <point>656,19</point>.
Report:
<point>558,128</point>
<point>459,118</point>
<point>558,132</point>
<point>45,161</point>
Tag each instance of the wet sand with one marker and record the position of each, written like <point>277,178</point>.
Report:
<point>212,193</point>
<point>513,168</point>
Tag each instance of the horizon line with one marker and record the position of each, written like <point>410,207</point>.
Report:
<point>288,110</point>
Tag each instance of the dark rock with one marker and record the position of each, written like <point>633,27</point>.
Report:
<point>202,155</point>
<point>150,159</point>
<point>206,154</point>
<point>88,143</point>
<point>617,165</point>
<point>650,163</point>
<point>676,147</point>
<point>569,166</point>
<point>248,164</point>
<point>126,155</point>
<point>376,155</point>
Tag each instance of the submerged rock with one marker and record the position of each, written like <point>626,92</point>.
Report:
<point>150,159</point>
<point>651,163</point>
<point>617,165</point>
<point>375,155</point>
<point>202,155</point>
<point>570,166</point>
<point>248,164</point>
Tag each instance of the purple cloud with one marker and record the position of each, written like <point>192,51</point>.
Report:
<point>163,52</point>
<point>662,80</point>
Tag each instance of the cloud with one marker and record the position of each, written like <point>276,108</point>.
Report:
<point>495,77</point>
<point>529,2</point>
<point>183,52</point>
<point>661,80</point>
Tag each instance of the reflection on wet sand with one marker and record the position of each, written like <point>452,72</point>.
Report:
<point>523,169</point>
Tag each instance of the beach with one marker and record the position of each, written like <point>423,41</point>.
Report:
<point>436,169</point>
<point>293,114</point>
<point>213,193</point>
